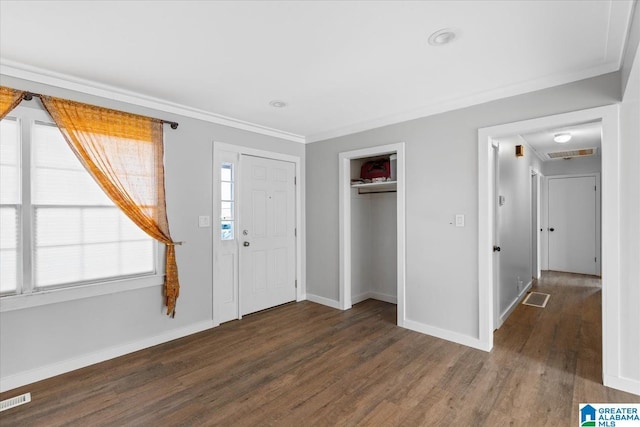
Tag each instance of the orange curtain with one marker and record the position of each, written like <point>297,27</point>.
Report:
<point>9,99</point>
<point>124,154</point>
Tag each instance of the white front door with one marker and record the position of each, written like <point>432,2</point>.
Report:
<point>266,233</point>
<point>572,224</point>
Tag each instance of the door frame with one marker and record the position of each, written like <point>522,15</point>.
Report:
<point>344,206</point>
<point>536,221</point>
<point>598,192</point>
<point>300,265</point>
<point>610,190</point>
<point>495,234</point>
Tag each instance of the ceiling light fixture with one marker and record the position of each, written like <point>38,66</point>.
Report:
<point>278,104</point>
<point>442,37</point>
<point>561,138</point>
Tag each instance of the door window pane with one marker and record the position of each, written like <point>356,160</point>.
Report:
<point>227,211</point>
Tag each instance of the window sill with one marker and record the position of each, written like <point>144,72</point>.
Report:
<point>53,296</point>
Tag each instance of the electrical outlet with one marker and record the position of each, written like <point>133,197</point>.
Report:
<point>459,220</point>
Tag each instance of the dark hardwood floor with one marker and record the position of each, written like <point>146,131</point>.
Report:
<point>306,364</point>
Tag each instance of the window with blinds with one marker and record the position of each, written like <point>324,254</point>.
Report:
<point>58,227</point>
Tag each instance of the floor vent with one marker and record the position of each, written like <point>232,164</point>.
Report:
<point>536,299</point>
<point>15,401</point>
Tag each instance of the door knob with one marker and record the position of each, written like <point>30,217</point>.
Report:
<point>496,249</point>
<point>552,229</point>
<point>246,244</point>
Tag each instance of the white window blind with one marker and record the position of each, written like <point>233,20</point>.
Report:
<point>9,204</point>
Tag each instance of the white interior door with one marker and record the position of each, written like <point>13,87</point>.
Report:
<point>267,233</point>
<point>572,224</point>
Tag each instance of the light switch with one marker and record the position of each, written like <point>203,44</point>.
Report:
<point>459,220</point>
<point>204,221</point>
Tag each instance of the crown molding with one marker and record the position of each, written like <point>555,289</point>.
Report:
<point>39,75</point>
<point>445,105</point>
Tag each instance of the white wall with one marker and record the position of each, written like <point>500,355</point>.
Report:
<point>361,241</point>
<point>57,337</point>
<point>373,246</point>
<point>572,166</point>
<point>630,226</point>
<point>384,237</point>
<point>441,175</point>
<point>515,221</point>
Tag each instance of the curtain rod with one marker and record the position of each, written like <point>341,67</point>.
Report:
<point>28,96</point>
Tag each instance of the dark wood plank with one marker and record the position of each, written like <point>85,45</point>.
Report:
<point>308,364</point>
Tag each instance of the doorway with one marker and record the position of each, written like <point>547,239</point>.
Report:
<point>515,166</point>
<point>608,116</point>
<point>258,241</point>
<point>345,209</point>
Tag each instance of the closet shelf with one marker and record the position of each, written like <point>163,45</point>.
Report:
<point>376,187</point>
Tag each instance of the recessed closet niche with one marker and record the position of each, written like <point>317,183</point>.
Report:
<point>373,233</point>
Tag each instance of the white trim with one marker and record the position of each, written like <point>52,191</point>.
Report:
<point>72,293</point>
<point>324,301</point>
<point>444,105</point>
<point>624,384</point>
<point>446,335</point>
<point>374,295</point>
<point>301,291</point>
<point>344,206</point>
<point>355,299</point>
<point>538,179</point>
<point>17,380</point>
<point>514,304</point>
<point>384,297</point>
<point>65,81</point>
<point>610,190</point>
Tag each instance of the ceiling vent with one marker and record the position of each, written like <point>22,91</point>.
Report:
<point>584,152</point>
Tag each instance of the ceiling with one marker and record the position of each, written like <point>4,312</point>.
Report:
<point>583,136</point>
<point>341,66</point>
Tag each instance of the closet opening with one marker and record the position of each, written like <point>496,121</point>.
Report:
<point>372,226</point>
<point>373,229</point>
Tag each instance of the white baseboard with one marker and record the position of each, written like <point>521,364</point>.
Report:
<point>374,295</point>
<point>359,298</point>
<point>624,384</point>
<point>515,303</point>
<point>23,378</point>
<point>447,335</point>
<point>392,299</point>
<point>324,301</point>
